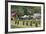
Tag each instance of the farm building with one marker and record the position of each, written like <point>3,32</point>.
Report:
<point>25,23</point>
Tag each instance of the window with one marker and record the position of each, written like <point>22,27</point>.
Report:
<point>11,18</point>
<point>31,23</point>
<point>17,22</point>
<point>23,22</point>
<point>27,23</point>
<point>36,25</point>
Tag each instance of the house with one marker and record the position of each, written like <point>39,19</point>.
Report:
<point>25,17</point>
<point>37,15</point>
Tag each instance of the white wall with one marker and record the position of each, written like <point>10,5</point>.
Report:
<point>2,23</point>
<point>2,18</point>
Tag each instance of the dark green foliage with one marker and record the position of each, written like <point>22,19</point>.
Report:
<point>26,10</point>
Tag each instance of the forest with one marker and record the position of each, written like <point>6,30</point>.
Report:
<point>25,10</point>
